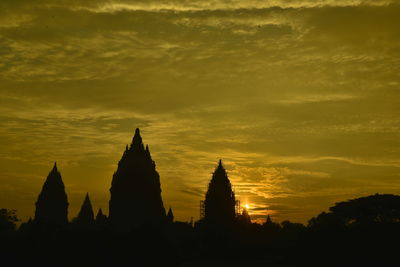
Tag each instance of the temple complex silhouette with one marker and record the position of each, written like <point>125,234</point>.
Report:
<point>135,196</point>
<point>138,231</point>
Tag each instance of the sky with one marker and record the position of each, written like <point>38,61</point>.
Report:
<point>299,98</point>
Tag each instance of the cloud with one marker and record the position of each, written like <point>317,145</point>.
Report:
<point>179,5</point>
<point>315,98</point>
<point>194,191</point>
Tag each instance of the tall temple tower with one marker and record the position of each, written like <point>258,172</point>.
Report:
<point>219,204</point>
<point>52,203</point>
<point>135,189</point>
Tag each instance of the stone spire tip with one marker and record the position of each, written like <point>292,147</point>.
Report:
<point>55,166</point>
<point>137,142</point>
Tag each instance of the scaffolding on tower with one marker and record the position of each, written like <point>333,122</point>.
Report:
<point>238,209</point>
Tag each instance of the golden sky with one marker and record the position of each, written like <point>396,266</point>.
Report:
<point>300,99</point>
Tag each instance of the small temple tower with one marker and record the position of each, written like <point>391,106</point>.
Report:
<point>101,219</point>
<point>170,216</point>
<point>136,189</point>
<point>86,215</point>
<point>219,204</point>
<point>52,203</point>
<point>244,218</point>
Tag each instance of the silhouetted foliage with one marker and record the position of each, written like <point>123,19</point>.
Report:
<point>8,220</point>
<point>362,232</point>
<point>361,211</point>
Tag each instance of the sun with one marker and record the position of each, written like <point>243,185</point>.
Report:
<point>247,206</point>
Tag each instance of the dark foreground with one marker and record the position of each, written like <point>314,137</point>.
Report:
<point>180,244</point>
<point>360,232</point>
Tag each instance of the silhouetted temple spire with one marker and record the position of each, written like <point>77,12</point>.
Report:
<point>86,216</point>
<point>137,142</point>
<point>52,203</point>
<point>100,217</point>
<point>245,217</point>
<point>170,216</point>
<point>268,221</point>
<point>136,189</point>
<point>219,205</point>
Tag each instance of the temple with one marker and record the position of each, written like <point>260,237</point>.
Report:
<point>220,203</point>
<point>86,215</point>
<point>52,203</point>
<point>136,189</point>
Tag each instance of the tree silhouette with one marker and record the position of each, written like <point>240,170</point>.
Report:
<point>52,203</point>
<point>8,219</point>
<point>361,232</point>
<point>361,211</point>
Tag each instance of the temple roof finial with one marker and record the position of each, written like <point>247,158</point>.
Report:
<point>137,142</point>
